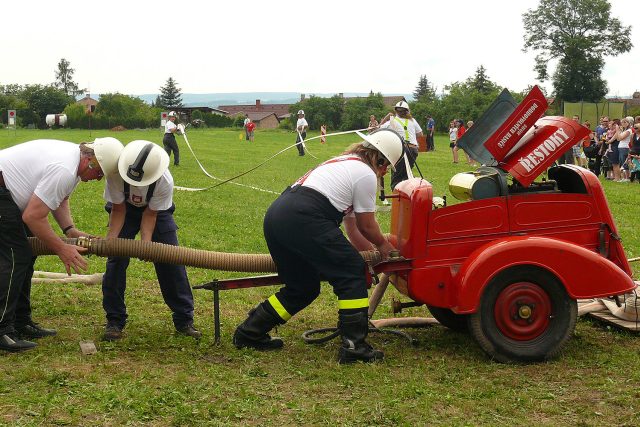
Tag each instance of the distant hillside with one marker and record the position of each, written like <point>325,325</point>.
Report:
<point>216,99</point>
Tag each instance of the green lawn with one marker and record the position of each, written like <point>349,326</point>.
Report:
<point>154,377</point>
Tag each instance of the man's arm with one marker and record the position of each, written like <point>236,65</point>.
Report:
<point>148,224</point>
<point>62,215</point>
<point>116,220</point>
<point>368,226</point>
<point>35,217</point>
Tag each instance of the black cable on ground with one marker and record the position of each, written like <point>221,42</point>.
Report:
<point>306,336</point>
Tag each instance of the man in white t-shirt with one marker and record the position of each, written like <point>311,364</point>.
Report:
<point>169,140</point>
<point>301,131</point>
<point>302,230</point>
<point>140,199</point>
<point>408,127</point>
<point>247,120</point>
<point>37,178</point>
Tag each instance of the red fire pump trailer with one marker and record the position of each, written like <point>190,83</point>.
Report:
<point>510,263</point>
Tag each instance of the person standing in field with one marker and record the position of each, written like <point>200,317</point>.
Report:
<point>37,178</point>
<point>453,140</point>
<point>431,127</point>
<point>169,140</point>
<point>250,127</point>
<point>409,129</point>
<point>140,199</point>
<point>301,130</point>
<point>247,120</point>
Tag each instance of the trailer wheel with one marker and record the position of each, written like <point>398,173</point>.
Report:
<point>446,317</point>
<point>524,315</point>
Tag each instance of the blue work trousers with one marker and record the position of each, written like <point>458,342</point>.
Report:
<point>173,280</point>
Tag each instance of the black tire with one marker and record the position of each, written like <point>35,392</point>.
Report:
<point>549,316</point>
<point>446,317</point>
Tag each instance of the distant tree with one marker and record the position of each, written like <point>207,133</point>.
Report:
<point>357,111</point>
<point>320,111</point>
<point>77,116</point>
<point>170,95</point>
<point>578,34</point>
<point>425,91</point>
<point>64,79</point>
<point>11,89</point>
<point>481,82</point>
<point>157,102</point>
<point>43,100</point>
<point>115,109</point>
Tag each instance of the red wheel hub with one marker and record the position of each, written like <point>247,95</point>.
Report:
<point>522,311</point>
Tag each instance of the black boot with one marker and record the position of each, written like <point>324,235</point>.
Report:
<point>32,330</point>
<point>10,342</point>
<point>253,331</point>
<point>354,328</point>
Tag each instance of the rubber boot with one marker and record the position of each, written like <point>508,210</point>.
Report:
<point>252,332</point>
<point>354,328</point>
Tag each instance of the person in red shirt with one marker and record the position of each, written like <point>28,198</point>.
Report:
<point>250,127</point>
<point>461,131</point>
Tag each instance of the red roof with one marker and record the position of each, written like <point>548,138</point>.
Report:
<point>277,109</point>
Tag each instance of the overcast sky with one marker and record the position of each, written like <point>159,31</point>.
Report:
<point>324,46</point>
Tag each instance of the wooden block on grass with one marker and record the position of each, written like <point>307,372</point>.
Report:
<point>88,348</point>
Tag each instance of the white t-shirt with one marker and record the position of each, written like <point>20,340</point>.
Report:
<point>247,121</point>
<point>396,123</point>
<point>453,134</point>
<point>47,168</point>
<point>302,122</point>
<point>624,143</point>
<point>347,184</point>
<point>168,125</point>
<point>161,200</point>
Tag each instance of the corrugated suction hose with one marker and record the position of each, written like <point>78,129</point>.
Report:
<point>169,254</point>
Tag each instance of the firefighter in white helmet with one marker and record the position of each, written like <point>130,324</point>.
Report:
<point>302,230</point>
<point>140,199</point>
<point>37,178</point>
<point>169,140</point>
<point>408,127</point>
<point>301,131</point>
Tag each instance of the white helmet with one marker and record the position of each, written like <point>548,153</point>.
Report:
<point>386,141</point>
<point>172,114</point>
<point>107,152</point>
<point>301,112</point>
<point>402,104</point>
<point>142,163</point>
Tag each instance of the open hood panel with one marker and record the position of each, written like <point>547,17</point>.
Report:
<point>473,141</point>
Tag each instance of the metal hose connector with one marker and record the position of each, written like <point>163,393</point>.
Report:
<point>169,254</point>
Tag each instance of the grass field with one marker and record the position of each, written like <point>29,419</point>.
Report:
<point>153,377</point>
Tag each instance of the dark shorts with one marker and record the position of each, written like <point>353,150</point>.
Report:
<point>614,155</point>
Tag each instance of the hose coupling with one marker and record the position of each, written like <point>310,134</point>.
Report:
<point>84,242</point>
